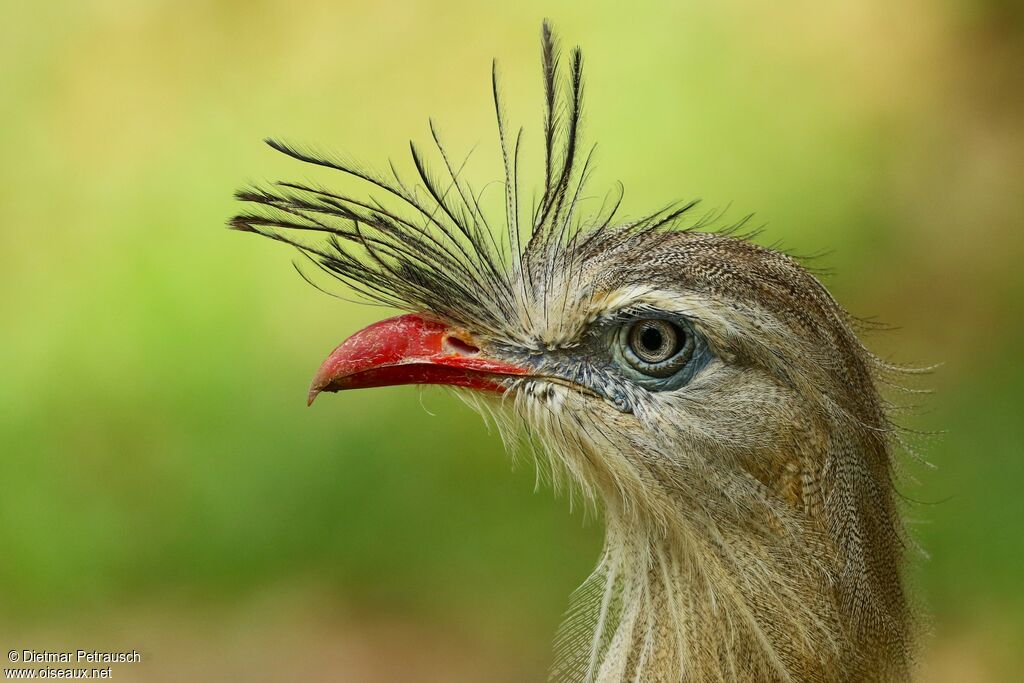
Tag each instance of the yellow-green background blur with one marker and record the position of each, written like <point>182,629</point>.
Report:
<point>165,487</point>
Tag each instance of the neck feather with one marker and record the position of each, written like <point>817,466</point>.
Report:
<point>727,591</point>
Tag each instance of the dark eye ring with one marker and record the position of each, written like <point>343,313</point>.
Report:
<point>656,347</point>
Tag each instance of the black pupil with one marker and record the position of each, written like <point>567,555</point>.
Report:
<point>651,339</point>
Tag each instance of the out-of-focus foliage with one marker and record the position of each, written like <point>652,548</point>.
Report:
<point>159,464</point>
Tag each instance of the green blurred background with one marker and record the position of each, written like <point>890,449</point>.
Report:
<point>165,487</point>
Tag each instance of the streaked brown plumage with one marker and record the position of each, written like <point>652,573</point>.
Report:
<point>707,394</point>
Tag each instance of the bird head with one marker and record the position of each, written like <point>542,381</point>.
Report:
<point>706,393</point>
<point>647,359</point>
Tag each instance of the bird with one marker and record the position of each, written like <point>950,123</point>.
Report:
<point>704,393</point>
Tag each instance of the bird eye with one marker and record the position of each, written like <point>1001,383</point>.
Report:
<point>653,341</point>
<point>656,348</point>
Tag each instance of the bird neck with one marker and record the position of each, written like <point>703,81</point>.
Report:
<point>664,608</point>
<point>709,597</point>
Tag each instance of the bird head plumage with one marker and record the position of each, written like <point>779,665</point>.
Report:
<point>707,394</point>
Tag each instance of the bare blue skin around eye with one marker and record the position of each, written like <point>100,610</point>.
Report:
<point>599,365</point>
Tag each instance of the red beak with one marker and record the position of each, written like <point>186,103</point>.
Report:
<point>410,349</point>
